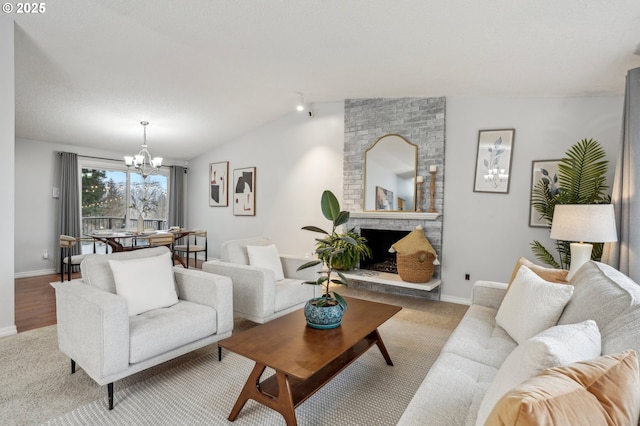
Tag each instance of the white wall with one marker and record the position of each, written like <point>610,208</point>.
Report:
<point>7,136</point>
<point>484,234</point>
<point>296,157</point>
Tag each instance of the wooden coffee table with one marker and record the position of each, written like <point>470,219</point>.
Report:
<point>304,358</point>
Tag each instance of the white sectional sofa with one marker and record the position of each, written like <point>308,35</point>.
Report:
<point>453,390</point>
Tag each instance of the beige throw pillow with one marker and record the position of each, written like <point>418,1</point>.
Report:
<point>603,391</point>
<point>547,274</point>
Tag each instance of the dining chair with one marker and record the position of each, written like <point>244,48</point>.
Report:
<point>196,242</point>
<point>161,239</point>
<point>67,259</point>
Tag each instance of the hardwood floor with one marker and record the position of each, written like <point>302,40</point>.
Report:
<point>35,300</point>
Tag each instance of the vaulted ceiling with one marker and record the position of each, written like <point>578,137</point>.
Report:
<point>204,72</point>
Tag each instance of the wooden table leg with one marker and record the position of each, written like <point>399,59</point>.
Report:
<point>382,348</point>
<point>282,403</point>
<point>248,391</point>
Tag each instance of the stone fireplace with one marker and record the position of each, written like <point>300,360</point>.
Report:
<point>421,121</point>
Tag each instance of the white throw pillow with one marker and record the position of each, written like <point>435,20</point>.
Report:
<point>145,283</point>
<point>531,305</point>
<point>266,257</point>
<point>557,346</point>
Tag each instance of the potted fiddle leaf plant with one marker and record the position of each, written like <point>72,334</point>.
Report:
<point>326,311</point>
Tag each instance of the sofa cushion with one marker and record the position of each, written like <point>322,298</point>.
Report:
<point>450,394</point>
<point>479,339</point>
<point>160,330</point>
<point>531,305</point>
<point>291,292</point>
<point>97,272</point>
<point>266,257</point>
<point>604,391</point>
<point>556,346</point>
<point>612,300</point>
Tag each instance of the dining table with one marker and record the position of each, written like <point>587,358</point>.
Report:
<point>126,240</point>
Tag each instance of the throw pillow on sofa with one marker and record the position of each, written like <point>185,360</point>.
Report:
<point>603,391</point>
<point>548,274</point>
<point>266,257</point>
<point>554,347</point>
<point>145,283</point>
<point>531,305</point>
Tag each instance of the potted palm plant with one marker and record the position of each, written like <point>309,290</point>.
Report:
<point>581,179</point>
<point>326,311</point>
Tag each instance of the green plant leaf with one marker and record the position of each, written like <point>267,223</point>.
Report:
<point>345,280</point>
<point>341,301</point>
<point>343,217</point>
<point>543,254</point>
<point>330,205</point>
<point>315,229</point>
<point>309,265</point>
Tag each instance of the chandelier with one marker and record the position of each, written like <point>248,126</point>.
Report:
<point>143,162</point>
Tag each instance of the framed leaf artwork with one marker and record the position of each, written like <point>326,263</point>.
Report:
<point>493,160</point>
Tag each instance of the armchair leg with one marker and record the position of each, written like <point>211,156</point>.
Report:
<point>110,394</point>
<point>219,353</point>
<point>73,366</point>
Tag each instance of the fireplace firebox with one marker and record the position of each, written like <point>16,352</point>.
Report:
<point>380,241</point>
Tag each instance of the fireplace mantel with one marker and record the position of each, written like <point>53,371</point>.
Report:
<point>395,215</point>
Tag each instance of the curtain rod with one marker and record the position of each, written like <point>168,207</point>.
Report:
<point>108,159</point>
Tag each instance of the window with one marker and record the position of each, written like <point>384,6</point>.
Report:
<point>113,197</point>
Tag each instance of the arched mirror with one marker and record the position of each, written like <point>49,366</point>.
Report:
<point>390,175</point>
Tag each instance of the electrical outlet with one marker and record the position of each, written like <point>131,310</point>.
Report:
<point>466,277</point>
<point>45,254</point>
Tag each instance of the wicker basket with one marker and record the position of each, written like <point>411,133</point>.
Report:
<point>416,267</point>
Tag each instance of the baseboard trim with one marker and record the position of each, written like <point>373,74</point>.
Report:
<point>8,331</point>
<point>37,273</point>
<point>454,299</point>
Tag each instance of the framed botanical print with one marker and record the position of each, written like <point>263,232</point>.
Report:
<point>219,184</point>
<point>244,191</point>
<point>544,177</point>
<point>493,160</point>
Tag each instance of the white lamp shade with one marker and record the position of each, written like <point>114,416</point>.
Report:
<point>593,223</point>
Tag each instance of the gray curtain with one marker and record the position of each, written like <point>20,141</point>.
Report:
<point>623,255</point>
<point>70,216</point>
<point>176,196</point>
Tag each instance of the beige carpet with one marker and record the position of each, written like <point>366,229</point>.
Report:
<point>36,384</point>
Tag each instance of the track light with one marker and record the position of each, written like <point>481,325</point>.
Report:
<point>300,104</point>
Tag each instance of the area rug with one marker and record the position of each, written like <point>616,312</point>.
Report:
<point>203,390</point>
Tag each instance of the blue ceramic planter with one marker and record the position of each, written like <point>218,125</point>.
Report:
<point>323,317</point>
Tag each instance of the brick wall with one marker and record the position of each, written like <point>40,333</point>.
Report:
<point>419,120</point>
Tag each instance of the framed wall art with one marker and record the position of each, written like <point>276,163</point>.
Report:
<point>244,191</point>
<point>219,184</point>
<point>384,199</point>
<point>544,176</point>
<point>493,160</point>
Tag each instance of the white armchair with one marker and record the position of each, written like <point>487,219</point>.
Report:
<point>97,330</point>
<point>257,295</point>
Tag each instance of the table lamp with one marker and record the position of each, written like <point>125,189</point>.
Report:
<point>583,222</point>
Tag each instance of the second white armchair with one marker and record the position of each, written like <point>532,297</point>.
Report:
<point>257,294</point>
